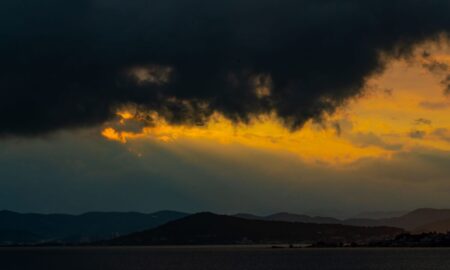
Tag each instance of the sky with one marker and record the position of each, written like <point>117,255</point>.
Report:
<point>319,107</point>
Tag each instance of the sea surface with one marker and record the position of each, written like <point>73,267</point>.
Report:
<point>222,258</point>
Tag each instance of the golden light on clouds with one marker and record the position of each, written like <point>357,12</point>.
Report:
<point>403,109</point>
<point>112,134</point>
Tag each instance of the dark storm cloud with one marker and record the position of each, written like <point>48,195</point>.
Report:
<point>71,63</point>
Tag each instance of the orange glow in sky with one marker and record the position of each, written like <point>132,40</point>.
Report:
<point>403,109</point>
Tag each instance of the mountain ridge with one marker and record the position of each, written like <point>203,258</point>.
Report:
<point>410,221</point>
<point>212,229</point>
<point>67,228</point>
<point>31,228</point>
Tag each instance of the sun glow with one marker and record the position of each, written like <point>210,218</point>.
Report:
<point>403,109</point>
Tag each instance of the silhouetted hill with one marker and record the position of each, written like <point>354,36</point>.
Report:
<point>33,228</point>
<point>289,217</point>
<point>17,236</point>
<point>363,222</point>
<point>413,221</point>
<point>212,229</point>
<point>380,214</point>
<point>302,218</point>
<point>441,226</point>
<point>17,228</point>
<point>419,217</point>
<point>249,216</point>
<point>410,221</point>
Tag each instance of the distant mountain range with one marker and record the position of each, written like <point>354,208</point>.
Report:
<point>380,214</point>
<point>412,221</point>
<point>17,228</point>
<point>63,228</point>
<point>212,229</point>
<point>289,217</point>
<point>441,226</point>
<point>420,220</point>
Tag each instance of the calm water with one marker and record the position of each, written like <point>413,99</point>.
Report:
<point>221,258</point>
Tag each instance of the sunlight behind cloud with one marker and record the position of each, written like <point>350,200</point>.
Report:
<point>402,109</point>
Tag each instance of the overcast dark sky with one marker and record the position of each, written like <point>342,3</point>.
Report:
<point>147,105</point>
<point>71,63</point>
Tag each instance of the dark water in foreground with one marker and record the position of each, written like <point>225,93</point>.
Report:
<point>221,258</point>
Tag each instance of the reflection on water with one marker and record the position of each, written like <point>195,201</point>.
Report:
<point>221,258</point>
